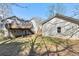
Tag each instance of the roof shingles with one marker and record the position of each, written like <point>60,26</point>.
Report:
<point>66,18</point>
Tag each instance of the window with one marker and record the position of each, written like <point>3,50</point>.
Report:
<point>58,29</point>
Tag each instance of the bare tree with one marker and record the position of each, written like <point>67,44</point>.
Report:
<point>56,8</point>
<point>75,11</point>
<point>5,10</point>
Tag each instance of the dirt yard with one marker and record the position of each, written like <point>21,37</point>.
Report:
<point>39,46</point>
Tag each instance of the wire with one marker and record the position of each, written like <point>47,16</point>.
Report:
<point>19,5</point>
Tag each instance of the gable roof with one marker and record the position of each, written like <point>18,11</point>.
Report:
<point>20,19</point>
<point>66,18</point>
<point>23,25</point>
<point>10,18</point>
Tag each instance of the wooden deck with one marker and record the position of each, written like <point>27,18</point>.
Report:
<point>19,30</point>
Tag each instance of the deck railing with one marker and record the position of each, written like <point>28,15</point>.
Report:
<point>16,26</point>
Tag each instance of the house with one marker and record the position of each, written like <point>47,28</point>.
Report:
<point>1,24</point>
<point>62,27</point>
<point>15,26</point>
<point>37,25</point>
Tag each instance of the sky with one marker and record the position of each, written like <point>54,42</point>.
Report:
<point>40,9</point>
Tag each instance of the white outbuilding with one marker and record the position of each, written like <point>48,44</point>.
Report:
<point>61,26</point>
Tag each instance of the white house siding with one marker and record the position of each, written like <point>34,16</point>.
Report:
<point>37,24</point>
<point>68,29</point>
<point>6,32</point>
<point>2,27</point>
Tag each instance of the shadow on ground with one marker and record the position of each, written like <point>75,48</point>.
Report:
<point>10,49</point>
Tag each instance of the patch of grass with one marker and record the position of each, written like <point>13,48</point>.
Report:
<point>52,40</point>
<point>1,37</point>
